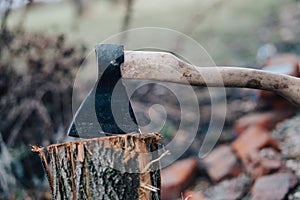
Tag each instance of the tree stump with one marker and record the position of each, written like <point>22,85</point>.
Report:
<point>117,167</point>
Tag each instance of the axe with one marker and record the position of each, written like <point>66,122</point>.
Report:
<point>107,110</point>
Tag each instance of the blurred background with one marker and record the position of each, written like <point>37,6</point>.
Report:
<point>43,43</point>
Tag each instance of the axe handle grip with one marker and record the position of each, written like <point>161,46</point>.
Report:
<point>160,66</point>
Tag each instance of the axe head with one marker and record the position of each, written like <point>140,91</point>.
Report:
<point>107,109</point>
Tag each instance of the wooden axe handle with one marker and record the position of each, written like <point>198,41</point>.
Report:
<point>161,66</point>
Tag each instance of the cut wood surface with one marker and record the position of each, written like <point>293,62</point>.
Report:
<point>116,167</point>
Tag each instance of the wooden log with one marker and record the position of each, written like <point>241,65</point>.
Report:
<point>117,167</point>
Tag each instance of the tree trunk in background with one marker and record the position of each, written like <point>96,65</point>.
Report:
<point>116,167</point>
<point>127,19</point>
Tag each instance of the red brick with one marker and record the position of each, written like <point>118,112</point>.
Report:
<point>285,59</point>
<point>228,189</point>
<point>264,162</point>
<point>274,186</point>
<point>285,64</point>
<point>178,177</point>
<point>221,162</point>
<point>267,120</point>
<point>253,139</point>
<point>275,102</point>
<point>288,62</point>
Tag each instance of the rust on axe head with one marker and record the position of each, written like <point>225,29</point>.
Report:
<point>104,110</point>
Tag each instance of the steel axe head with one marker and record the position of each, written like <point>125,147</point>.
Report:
<point>106,109</point>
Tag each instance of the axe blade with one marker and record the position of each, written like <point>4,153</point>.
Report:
<point>107,108</point>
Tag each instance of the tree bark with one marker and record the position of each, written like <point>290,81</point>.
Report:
<point>117,167</point>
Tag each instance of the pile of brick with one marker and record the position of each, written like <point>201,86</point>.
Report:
<point>262,162</point>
